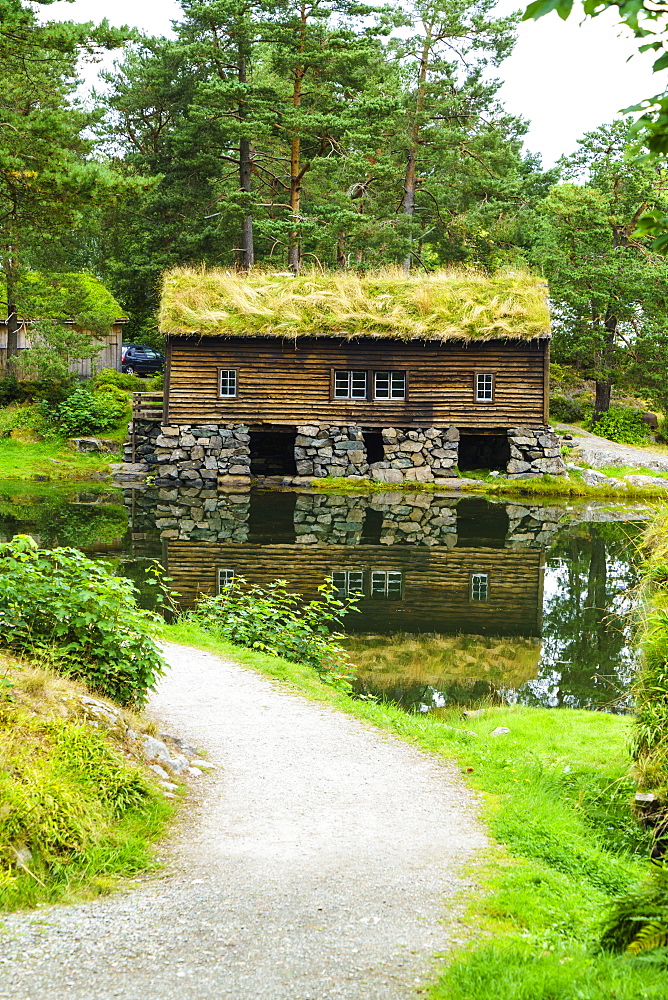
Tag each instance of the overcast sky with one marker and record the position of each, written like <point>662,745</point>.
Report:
<point>565,78</point>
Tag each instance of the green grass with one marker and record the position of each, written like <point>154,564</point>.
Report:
<point>556,798</point>
<point>448,304</point>
<point>21,460</point>
<point>76,815</point>
<point>544,486</point>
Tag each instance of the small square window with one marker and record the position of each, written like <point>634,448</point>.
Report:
<point>349,385</point>
<point>390,385</point>
<point>484,388</point>
<point>225,579</point>
<point>228,382</point>
<point>348,583</point>
<point>386,585</point>
<point>479,586</point>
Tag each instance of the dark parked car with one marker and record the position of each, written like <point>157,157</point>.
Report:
<point>137,359</point>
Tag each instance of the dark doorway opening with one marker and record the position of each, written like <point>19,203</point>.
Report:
<point>271,518</point>
<point>480,522</point>
<point>483,451</point>
<point>273,453</point>
<point>373,442</point>
<point>372,527</point>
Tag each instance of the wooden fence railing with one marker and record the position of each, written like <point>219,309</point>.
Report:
<point>147,405</point>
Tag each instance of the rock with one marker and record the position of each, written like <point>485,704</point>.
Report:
<point>95,444</point>
<point>645,798</point>
<point>169,786</point>
<point>194,772</point>
<point>204,764</point>
<point>387,475</point>
<point>160,771</point>
<point>156,750</point>
<point>500,731</point>
<point>647,481</point>
<point>473,713</point>
<point>515,465</point>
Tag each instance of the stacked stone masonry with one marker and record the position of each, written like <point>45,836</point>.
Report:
<point>208,515</point>
<point>197,455</point>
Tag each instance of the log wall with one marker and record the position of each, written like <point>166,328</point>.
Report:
<point>290,382</point>
<point>436,582</point>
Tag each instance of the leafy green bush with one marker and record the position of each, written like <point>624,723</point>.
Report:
<point>11,390</point>
<point>273,620</point>
<point>155,384</point>
<point>83,412</point>
<point>623,424</point>
<point>565,410</point>
<point>71,609</point>
<point>131,383</point>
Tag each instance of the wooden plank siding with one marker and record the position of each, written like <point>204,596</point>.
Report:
<point>109,355</point>
<point>436,582</point>
<point>286,383</point>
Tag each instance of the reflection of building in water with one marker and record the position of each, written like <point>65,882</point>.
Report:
<point>419,562</point>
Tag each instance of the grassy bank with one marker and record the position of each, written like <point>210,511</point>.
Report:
<point>484,484</point>
<point>77,813</point>
<point>48,460</point>
<point>556,798</point>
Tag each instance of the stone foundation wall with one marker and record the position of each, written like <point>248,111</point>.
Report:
<point>330,451</point>
<point>210,453</point>
<point>534,451</point>
<point>191,455</point>
<point>420,456</point>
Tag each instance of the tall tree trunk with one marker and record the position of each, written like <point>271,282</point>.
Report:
<point>296,170</point>
<point>245,169</point>
<point>12,312</point>
<point>604,384</point>
<point>410,177</point>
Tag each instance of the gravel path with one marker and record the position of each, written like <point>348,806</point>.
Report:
<point>320,862</point>
<point>599,452</point>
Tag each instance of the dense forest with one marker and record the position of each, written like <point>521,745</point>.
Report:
<point>327,134</point>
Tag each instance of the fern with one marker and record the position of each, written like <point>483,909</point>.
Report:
<point>652,935</point>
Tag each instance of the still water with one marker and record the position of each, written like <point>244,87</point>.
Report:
<point>462,600</point>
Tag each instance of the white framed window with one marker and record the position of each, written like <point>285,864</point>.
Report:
<point>225,579</point>
<point>348,582</point>
<point>350,384</point>
<point>389,385</point>
<point>479,586</point>
<point>227,382</point>
<point>484,388</point>
<point>386,585</point>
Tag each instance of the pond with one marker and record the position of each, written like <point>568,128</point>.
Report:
<point>461,600</point>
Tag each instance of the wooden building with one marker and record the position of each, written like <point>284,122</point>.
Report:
<point>483,591</point>
<point>77,300</point>
<point>382,375</point>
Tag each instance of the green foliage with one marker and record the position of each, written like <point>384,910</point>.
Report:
<point>566,410</point>
<point>11,390</point>
<point>638,920</point>
<point>75,298</point>
<point>622,424</point>
<point>59,604</point>
<point>75,813</point>
<point>129,383</point>
<point>276,621</point>
<point>84,412</point>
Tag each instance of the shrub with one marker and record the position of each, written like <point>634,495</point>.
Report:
<point>638,921</point>
<point>11,390</point>
<point>131,383</point>
<point>155,384</point>
<point>623,424</point>
<point>273,620</point>
<point>566,410</point>
<point>72,610</point>
<point>83,412</point>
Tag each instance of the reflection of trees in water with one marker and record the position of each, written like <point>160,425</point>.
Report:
<point>421,697</point>
<point>587,657</point>
<point>58,520</point>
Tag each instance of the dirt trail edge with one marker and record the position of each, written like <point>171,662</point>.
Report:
<point>320,863</point>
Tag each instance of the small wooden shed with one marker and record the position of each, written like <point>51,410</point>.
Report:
<point>79,300</point>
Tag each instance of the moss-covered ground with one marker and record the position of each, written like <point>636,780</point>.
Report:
<point>556,797</point>
<point>77,812</point>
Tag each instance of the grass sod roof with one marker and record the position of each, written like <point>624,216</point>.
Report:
<point>443,305</point>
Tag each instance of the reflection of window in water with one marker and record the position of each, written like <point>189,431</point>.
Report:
<point>479,586</point>
<point>225,579</point>
<point>385,585</point>
<point>348,582</point>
